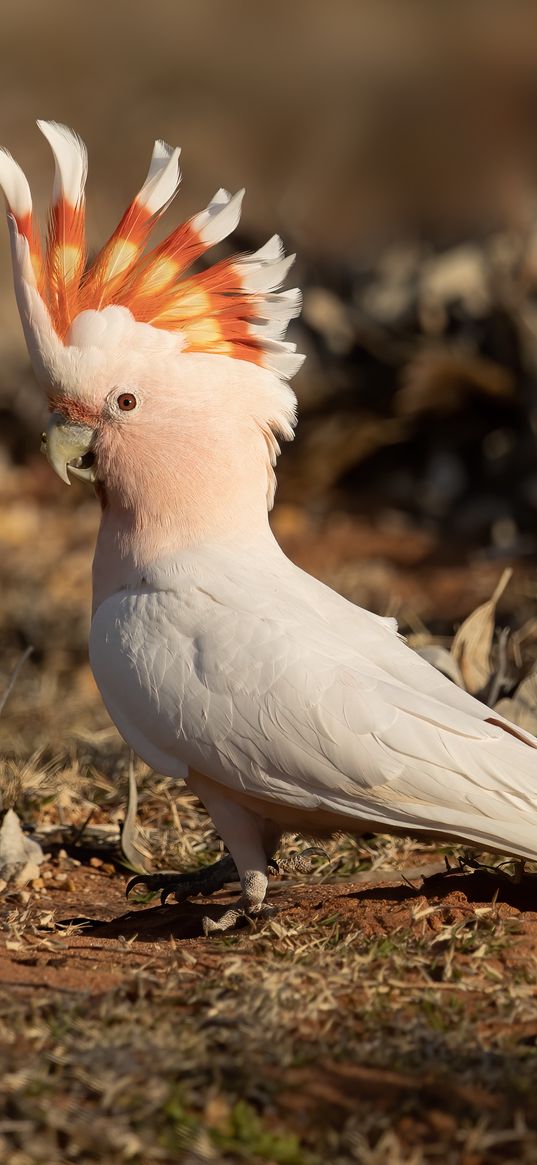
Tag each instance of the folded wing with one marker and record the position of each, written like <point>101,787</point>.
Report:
<point>315,704</point>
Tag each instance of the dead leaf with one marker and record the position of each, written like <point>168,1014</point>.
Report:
<point>438,379</point>
<point>19,855</point>
<point>442,660</point>
<point>472,644</point>
<point>521,709</point>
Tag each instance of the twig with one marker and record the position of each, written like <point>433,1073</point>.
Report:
<point>372,877</point>
<point>75,836</point>
<point>411,874</point>
<point>129,836</point>
<point>500,678</point>
<point>4,699</point>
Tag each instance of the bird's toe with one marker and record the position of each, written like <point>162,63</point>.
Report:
<point>202,882</point>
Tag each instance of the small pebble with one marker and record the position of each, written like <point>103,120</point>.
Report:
<point>96,863</point>
<point>62,855</point>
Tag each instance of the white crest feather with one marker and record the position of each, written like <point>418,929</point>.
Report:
<point>71,161</point>
<point>257,276</point>
<point>281,306</point>
<point>163,178</point>
<point>219,218</point>
<point>270,252</point>
<point>15,186</point>
<point>282,358</point>
<point>275,311</point>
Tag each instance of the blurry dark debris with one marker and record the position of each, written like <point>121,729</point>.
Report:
<point>425,390</point>
<point>22,409</point>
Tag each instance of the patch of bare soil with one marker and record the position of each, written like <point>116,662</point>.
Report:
<point>104,938</point>
<point>392,1016</point>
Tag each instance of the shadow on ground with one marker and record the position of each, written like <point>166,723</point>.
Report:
<point>185,920</point>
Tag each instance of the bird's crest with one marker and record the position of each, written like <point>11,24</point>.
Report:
<point>232,308</point>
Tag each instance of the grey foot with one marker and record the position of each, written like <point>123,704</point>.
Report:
<point>519,865</point>
<point>251,905</point>
<point>205,881</point>
<point>300,863</point>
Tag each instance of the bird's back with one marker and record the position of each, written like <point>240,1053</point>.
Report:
<point>245,668</point>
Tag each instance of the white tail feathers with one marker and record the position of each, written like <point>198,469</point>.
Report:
<point>14,185</point>
<point>71,161</point>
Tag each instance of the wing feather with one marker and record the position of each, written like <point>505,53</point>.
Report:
<point>295,696</point>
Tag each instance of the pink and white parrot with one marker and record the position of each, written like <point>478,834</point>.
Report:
<point>282,705</point>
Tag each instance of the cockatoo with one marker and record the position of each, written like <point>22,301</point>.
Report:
<point>281,704</point>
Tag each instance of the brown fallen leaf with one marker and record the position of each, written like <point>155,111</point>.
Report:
<point>472,644</point>
<point>341,1084</point>
<point>521,708</point>
<point>442,660</point>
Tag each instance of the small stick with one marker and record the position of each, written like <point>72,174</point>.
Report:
<point>4,699</point>
<point>499,680</point>
<point>129,832</point>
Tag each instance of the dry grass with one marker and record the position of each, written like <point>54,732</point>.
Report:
<point>385,1031</point>
<point>300,1041</point>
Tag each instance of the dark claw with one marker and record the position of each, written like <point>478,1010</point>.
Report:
<point>182,891</point>
<point>151,881</point>
<point>205,881</point>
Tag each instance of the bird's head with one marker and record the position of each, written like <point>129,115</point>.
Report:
<point>160,382</point>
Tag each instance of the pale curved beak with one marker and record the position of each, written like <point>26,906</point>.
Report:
<point>67,446</point>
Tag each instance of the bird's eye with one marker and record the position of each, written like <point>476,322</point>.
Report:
<point>126,401</point>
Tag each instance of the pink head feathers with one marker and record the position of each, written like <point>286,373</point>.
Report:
<point>232,308</point>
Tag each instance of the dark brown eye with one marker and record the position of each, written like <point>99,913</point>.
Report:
<point>126,401</point>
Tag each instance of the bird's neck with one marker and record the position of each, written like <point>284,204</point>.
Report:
<point>133,536</point>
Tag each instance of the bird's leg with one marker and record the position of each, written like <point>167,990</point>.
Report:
<point>247,837</point>
<point>251,904</point>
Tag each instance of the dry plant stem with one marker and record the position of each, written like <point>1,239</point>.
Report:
<point>4,699</point>
<point>500,678</point>
<point>129,840</point>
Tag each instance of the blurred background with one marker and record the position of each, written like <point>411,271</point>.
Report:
<point>394,147</point>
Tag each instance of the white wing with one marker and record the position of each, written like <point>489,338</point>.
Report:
<point>270,683</point>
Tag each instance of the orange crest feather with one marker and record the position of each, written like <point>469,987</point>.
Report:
<point>231,308</point>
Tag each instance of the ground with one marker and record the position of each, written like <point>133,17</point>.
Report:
<point>385,1015</point>
<point>371,1022</point>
